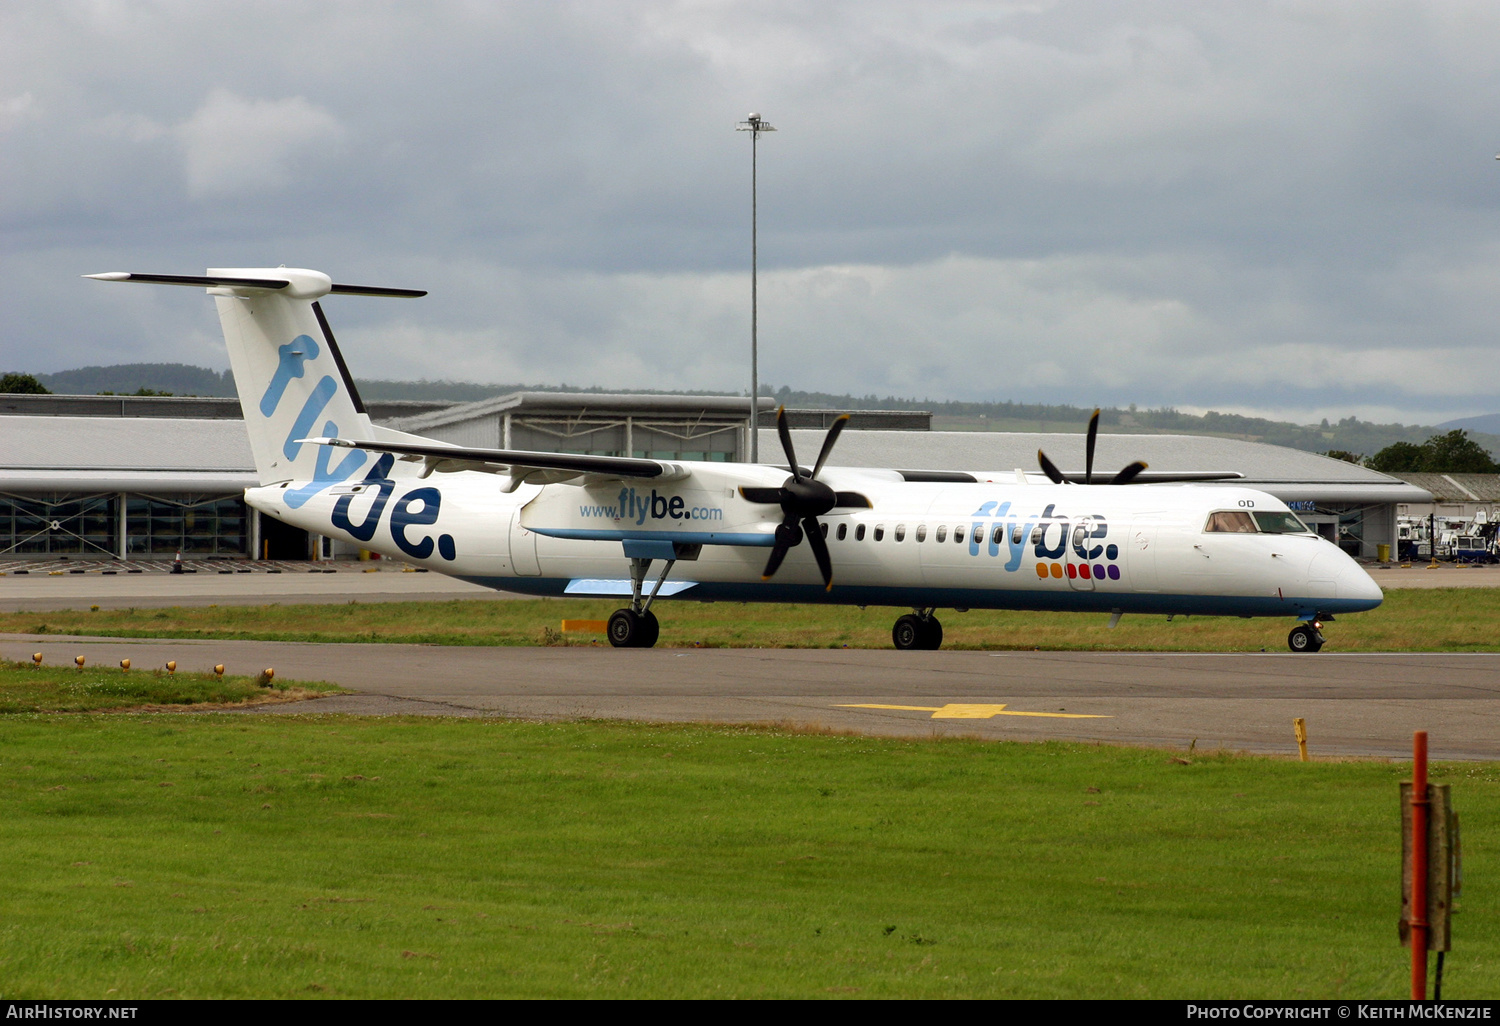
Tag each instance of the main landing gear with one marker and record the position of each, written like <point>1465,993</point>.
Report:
<point>1306,637</point>
<point>636,627</point>
<point>918,630</point>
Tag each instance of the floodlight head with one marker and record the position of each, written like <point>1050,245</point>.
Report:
<point>752,116</point>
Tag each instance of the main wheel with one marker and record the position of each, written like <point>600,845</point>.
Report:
<point>933,635</point>
<point>623,628</point>
<point>1304,638</point>
<point>909,633</point>
<point>650,630</point>
<point>629,629</point>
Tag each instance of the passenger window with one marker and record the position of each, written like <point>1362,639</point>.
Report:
<point>997,535</point>
<point>880,532</point>
<point>922,533</point>
<point>859,533</point>
<point>941,534</point>
<point>825,530</point>
<point>978,533</point>
<point>900,532</point>
<point>1015,535</point>
<point>1036,535</point>
<point>843,531</point>
<point>959,534</point>
<point>1231,521</point>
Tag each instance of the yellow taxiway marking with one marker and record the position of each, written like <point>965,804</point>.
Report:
<point>952,711</point>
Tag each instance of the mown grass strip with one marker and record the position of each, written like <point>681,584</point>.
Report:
<point>235,856</point>
<point>26,688</point>
<point>1446,620</point>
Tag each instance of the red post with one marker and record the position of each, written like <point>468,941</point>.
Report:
<point>1419,866</point>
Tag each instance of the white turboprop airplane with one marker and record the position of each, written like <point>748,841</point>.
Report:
<point>562,524</point>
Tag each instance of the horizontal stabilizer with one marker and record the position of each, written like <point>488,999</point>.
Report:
<point>198,280</point>
<point>376,290</point>
<point>212,281</point>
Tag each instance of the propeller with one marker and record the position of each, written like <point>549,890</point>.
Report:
<point>803,498</point>
<point>1125,476</point>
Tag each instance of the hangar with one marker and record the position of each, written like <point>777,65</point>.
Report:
<point>130,477</point>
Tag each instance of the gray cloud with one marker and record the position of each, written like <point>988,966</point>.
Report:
<point>1280,207</point>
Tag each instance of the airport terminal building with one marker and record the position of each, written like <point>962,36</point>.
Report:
<point>126,477</point>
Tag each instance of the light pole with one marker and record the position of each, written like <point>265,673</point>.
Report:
<point>754,125</point>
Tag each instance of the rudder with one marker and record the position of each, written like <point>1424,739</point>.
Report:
<point>291,379</point>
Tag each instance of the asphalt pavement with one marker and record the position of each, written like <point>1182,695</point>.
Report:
<point>1353,704</point>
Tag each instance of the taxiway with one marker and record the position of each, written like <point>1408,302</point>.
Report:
<point>1354,704</point>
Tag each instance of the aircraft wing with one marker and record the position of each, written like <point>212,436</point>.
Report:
<point>1160,476</point>
<point>519,465</point>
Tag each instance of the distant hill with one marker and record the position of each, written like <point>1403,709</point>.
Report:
<point>1350,434</point>
<point>124,378</point>
<point>1489,423</point>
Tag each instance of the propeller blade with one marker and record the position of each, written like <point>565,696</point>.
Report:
<point>786,442</point>
<point>852,500</point>
<point>832,436</point>
<point>814,532</point>
<point>774,563</point>
<point>1049,468</point>
<point>763,496</point>
<point>1129,473</point>
<point>1088,449</point>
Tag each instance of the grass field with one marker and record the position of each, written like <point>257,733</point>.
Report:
<point>28,688</point>
<point>1445,620</point>
<point>234,856</point>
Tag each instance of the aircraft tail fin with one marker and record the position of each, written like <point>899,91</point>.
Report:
<point>292,379</point>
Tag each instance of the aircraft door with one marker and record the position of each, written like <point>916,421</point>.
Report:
<point>1080,573</point>
<point>1140,559</point>
<point>523,549</point>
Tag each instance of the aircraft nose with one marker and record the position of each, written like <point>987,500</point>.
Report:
<point>1354,583</point>
<point>1350,582</point>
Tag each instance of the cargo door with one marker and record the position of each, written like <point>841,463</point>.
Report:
<point>523,549</point>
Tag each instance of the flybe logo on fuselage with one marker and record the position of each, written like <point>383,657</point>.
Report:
<point>417,508</point>
<point>1061,547</point>
<point>638,508</point>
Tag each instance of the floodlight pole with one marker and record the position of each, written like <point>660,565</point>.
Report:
<point>754,125</point>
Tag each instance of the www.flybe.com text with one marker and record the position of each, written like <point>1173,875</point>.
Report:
<point>653,506</point>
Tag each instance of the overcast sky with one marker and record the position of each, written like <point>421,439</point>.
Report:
<point>1285,208</point>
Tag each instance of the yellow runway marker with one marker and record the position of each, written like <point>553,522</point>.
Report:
<point>975,712</point>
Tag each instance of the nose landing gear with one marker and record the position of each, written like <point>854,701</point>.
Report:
<point>1305,637</point>
<point>918,630</point>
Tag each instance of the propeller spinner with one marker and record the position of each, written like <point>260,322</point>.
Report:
<point>803,498</point>
<point>1125,476</point>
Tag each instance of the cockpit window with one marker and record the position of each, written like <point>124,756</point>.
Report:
<point>1281,523</point>
<point>1232,521</point>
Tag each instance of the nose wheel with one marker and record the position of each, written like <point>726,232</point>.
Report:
<point>917,631</point>
<point>1305,637</point>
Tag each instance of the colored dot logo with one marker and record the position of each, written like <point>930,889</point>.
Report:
<point>1075,571</point>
